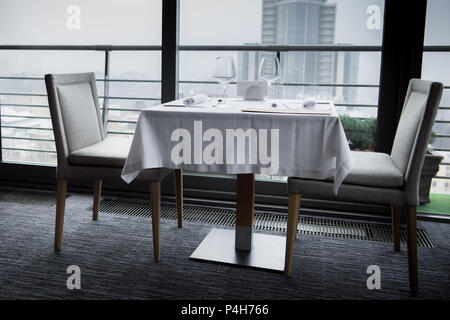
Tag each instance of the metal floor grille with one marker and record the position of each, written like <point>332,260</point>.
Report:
<point>265,220</point>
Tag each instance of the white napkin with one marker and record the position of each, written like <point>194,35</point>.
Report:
<point>198,98</point>
<point>309,104</point>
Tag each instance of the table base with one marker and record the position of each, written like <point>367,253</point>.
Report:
<point>268,251</point>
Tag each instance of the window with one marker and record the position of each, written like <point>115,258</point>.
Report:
<point>215,22</point>
<point>349,78</point>
<point>27,134</point>
<point>81,22</point>
<point>436,67</point>
<point>134,80</point>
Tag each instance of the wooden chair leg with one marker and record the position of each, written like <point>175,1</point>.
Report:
<point>396,211</point>
<point>294,204</point>
<point>155,190</point>
<point>97,193</point>
<point>412,249</point>
<point>296,222</point>
<point>178,176</point>
<point>60,207</point>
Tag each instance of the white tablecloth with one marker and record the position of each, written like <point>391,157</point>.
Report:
<point>310,145</point>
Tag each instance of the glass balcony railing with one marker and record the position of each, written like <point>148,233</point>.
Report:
<point>128,80</point>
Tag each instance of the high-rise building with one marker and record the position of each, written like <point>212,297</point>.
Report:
<point>346,65</point>
<point>303,22</point>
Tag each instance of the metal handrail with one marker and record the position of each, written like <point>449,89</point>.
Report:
<point>359,105</point>
<point>274,47</point>
<point>121,132</point>
<point>98,80</point>
<point>440,149</point>
<point>131,98</point>
<point>292,84</point>
<point>22,94</point>
<point>429,48</point>
<point>125,109</point>
<point>24,105</point>
<point>25,117</point>
<point>28,138</point>
<point>100,97</point>
<point>123,121</point>
<point>278,48</point>
<point>25,127</point>
<point>28,150</point>
<point>97,47</point>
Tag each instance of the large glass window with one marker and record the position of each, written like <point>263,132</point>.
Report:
<point>88,22</point>
<point>134,79</point>
<point>215,22</point>
<point>436,67</point>
<point>135,84</point>
<point>349,78</point>
<point>27,134</point>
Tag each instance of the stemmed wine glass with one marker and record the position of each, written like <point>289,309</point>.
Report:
<point>269,70</point>
<point>224,73</point>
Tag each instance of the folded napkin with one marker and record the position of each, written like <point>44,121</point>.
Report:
<point>198,98</point>
<point>309,104</point>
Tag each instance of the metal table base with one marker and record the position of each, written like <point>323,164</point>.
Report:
<point>267,252</point>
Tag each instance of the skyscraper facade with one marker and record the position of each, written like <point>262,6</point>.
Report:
<point>303,22</point>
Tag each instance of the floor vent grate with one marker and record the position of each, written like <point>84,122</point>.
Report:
<point>265,220</point>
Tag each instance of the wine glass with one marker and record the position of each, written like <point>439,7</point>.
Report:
<point>224,73</point>
<point>269,70</point>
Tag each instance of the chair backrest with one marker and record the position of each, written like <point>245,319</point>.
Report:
<point>413,132</point>
<point>75,112</point>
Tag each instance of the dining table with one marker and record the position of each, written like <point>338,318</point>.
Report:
<point>242,138</point>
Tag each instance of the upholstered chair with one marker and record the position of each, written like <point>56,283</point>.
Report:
<point>379,178</point>
<point>85,152</point>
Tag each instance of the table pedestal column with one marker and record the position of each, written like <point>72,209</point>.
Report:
<point>245,203</point>
<point>241,246</point>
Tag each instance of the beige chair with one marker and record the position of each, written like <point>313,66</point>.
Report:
<point>84,152</point>
<point>380,178</point>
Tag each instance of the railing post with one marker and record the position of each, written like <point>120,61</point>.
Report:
<point>106,93</point>
<point>279,88</point>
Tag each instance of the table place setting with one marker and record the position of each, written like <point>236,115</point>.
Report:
<point>198,101</point>
<point>251,94</point>
<point>276,106</point>
<point>293,107</point>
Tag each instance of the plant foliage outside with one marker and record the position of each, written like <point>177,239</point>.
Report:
<point>360,132</point>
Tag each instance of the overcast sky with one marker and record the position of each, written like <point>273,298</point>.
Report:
<point>202,22</point>
<point>138,22</point>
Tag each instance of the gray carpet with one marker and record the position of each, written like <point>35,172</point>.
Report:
<point>115,255</point>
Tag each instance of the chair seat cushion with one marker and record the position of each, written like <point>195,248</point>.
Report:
<point>111,152</point>
<point>374,169</point>
<point>347,192</point>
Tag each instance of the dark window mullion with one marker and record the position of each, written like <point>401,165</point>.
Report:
<point>169,51</point>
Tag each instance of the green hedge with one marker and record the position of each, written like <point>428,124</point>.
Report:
<point>360,132</point>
